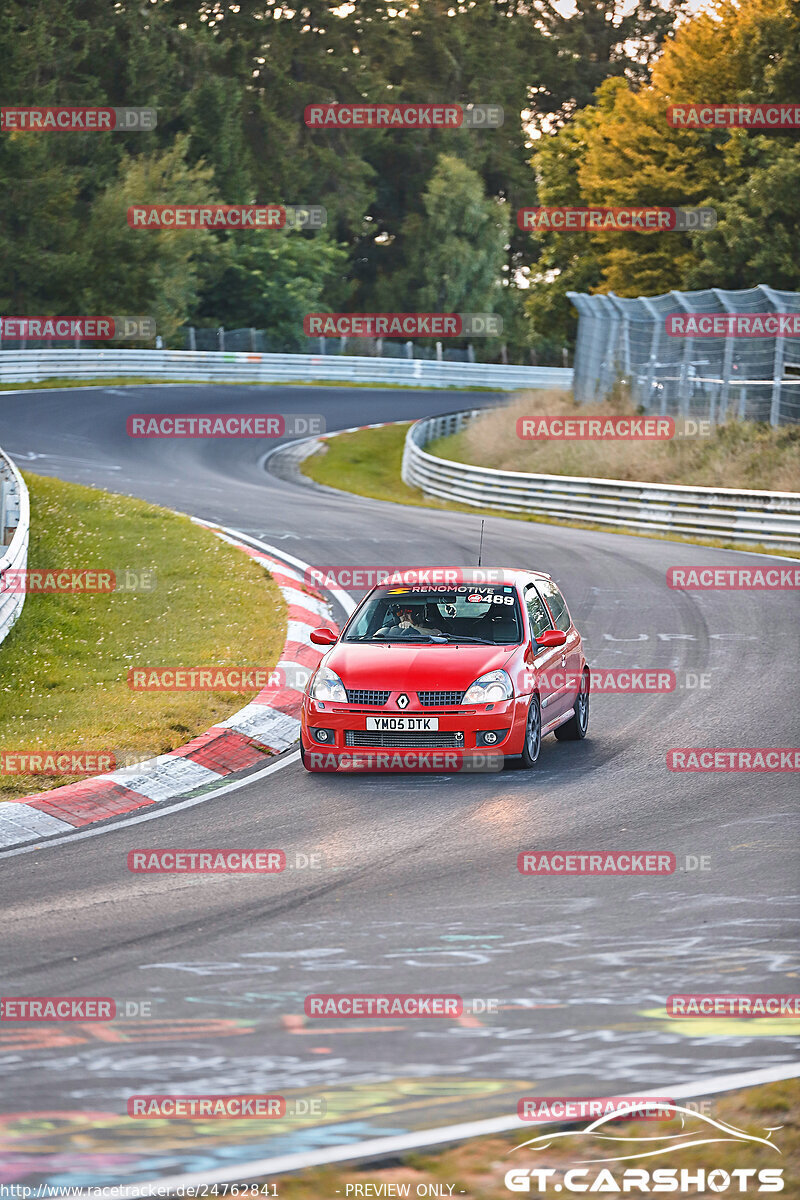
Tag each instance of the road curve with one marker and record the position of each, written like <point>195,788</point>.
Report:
<point>418,889</point>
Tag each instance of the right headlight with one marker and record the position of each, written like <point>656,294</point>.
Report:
<point>491,687</point>
<point>326,685</point>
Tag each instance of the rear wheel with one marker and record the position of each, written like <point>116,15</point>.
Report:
<point>574,730</point>
<point>533,737</point>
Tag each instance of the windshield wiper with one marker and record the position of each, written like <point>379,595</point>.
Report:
<point>421,637</point>
<point>454,637</point>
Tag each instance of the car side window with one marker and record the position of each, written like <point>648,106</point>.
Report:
<point>556,603</point>
<point>537,613</point>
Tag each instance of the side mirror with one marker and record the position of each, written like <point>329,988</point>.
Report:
<point>324,637</point>
<point>551,637</point>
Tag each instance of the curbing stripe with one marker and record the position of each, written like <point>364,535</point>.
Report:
<point>269,723</point>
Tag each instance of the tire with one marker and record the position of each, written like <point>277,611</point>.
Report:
<point>574,730</point>
<point>532,745</point>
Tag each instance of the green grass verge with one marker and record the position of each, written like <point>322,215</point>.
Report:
<point>368,463</point>
<point>64,666</point>
<point>475,1170</point>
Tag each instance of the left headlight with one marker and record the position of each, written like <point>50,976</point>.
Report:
<point>326,685</point>
<point>491,687</point>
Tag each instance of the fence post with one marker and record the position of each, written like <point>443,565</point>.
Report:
<point>438,351</point>
<point>322,345</point>
<point>777,376</point>
<point>191,339</point>
<point>252,340</point>
<point>221,338</point>
<point>379,347</point>
<point>409,349</point>
<point>470,352</point>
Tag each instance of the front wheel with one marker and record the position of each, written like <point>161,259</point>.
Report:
<point>533,737</point>
<point>574,730</point>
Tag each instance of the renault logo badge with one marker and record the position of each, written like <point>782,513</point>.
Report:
<point>402,700</point>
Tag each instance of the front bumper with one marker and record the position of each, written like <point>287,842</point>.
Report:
<point>335,737</point>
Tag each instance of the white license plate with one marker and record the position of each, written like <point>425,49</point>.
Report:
<point>402,724</point>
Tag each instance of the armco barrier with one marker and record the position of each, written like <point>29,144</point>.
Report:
<point>766,518</point>
<point>14,531</point>
<point>32,366</point>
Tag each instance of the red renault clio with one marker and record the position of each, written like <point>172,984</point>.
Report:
<point>467,668</point>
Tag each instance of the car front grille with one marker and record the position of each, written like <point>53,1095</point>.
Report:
<point>364,696</point>
<point>404,741</point>
<point>439,699</point>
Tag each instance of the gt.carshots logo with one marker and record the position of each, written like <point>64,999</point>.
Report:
<point>405,325</point>
<point>572,219</point>
<point>221,425</point>
<point>61,119</point>
<point>764,758</point>
<point>67,329</point>
<point>602,1165</point>
<point>403,116</point>
<point>385,1005</point>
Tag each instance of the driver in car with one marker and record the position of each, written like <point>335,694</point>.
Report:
<point>407,618</point>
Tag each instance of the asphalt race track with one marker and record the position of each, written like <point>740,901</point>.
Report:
<point>418,890</point>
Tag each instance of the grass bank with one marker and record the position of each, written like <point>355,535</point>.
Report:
<point>64,666</point>
<point>739,454</point>
<point>475,1169</point>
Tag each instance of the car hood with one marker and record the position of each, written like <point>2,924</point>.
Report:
<point>419,667</point>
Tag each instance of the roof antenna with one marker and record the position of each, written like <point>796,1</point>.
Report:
<point>480,548</point>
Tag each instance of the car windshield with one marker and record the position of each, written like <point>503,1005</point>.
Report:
<point>488,614</point>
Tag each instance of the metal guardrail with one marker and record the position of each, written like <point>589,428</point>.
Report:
<point>14,532</point>
<point>32,366</point>
<point>764,518</point>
